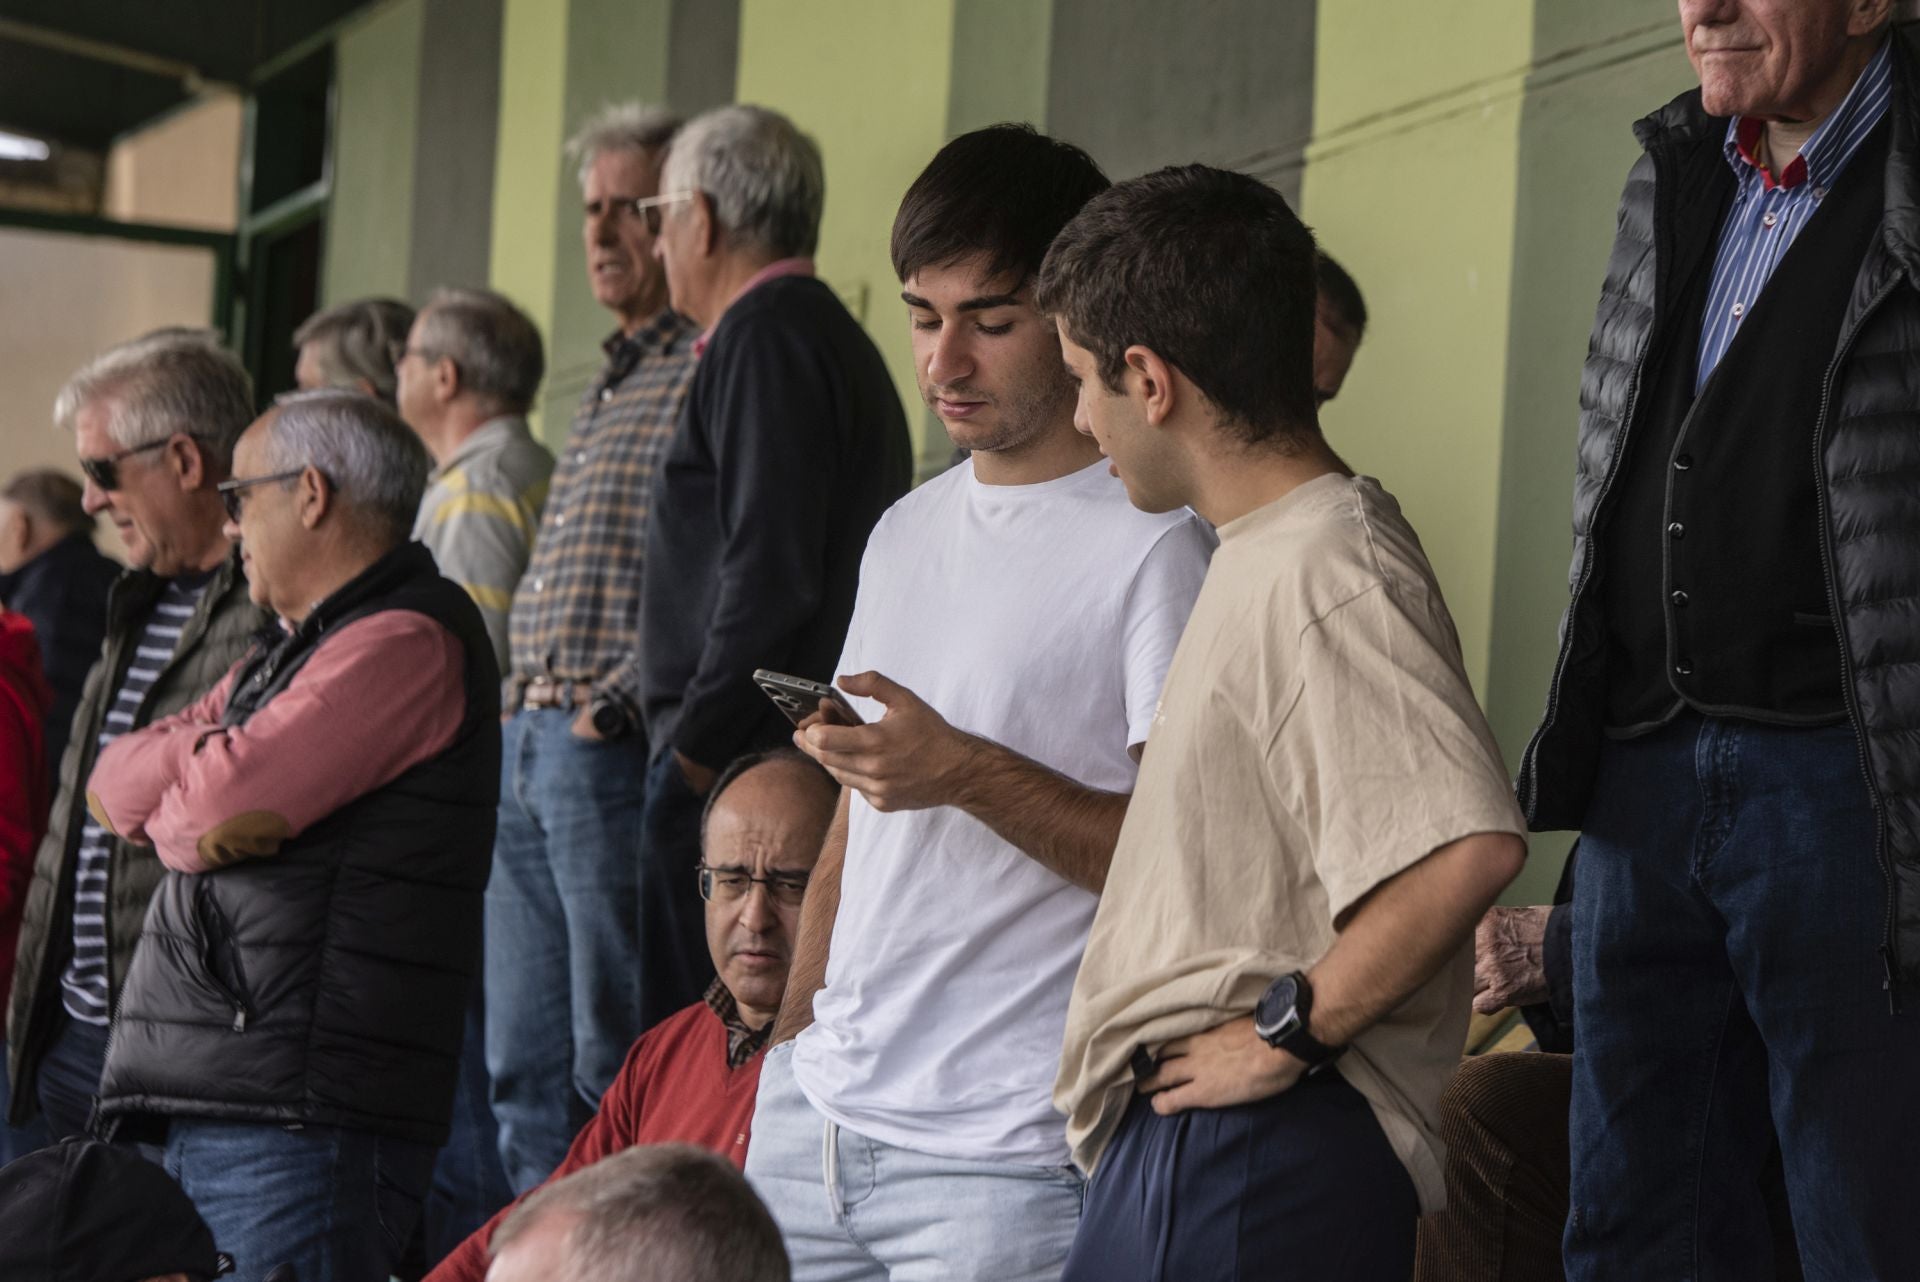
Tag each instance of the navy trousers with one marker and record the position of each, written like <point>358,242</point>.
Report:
<point>1727,924</point>
<point>1301,1186</point>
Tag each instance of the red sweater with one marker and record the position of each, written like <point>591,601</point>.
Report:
<point>24,700</point>
<point>674,1088</point>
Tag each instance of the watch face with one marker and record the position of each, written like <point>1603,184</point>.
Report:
<point>1277,1007</point>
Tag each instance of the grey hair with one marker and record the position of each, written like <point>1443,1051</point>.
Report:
<point>354,342</point>
<point>763,175</point>
<point>658,1213</point>
<point>493,344</point>
<point>373,460</point>
<point>171,380</point>
<point>621,126</point>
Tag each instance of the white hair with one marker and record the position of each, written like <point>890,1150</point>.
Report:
<point>658,1213</point>
<point>174,380</point>
<point>763,175</point>
<point>372,459</point>
<point>621,126</point>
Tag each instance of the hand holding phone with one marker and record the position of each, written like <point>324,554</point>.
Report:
<point>803,700</point>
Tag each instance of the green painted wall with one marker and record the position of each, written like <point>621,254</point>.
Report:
<point>377,87</point>
<point>872,87</point>
<point>1595,70</point>
<point>533,76</point>
<point>1410,182</point>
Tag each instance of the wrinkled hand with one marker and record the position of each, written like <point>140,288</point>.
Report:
<point>1509,958</point>
<point>910,759</point>
<point>1219,1068</point>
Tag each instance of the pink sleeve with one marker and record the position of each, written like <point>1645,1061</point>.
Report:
<point>137,768</point>
<point>378,697</point>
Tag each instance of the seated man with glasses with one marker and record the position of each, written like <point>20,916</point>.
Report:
<point>693,1077</point>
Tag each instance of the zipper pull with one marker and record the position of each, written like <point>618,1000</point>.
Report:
<point>1886,981</point>
<point>239,1019</point>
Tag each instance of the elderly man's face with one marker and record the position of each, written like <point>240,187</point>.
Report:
<point>268,527</point>
<point>1773,59</point>
<point>151,502</point>
<point>621,267</point>
<point>767,824</point>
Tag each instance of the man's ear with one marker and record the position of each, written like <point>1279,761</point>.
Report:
<point>446,379</point>
<point>313,494</point>
<point>1152,379</point>
<point>1868,16</point>
<point>188,459</point>
<point>706,227</point>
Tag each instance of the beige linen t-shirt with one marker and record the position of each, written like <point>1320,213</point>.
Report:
<point>1315,736</point>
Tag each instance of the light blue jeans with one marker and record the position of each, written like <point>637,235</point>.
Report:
<point>855,1210</point>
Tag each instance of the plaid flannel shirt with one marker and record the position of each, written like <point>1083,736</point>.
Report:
<point>576,613</point>
<point>743,1043</point>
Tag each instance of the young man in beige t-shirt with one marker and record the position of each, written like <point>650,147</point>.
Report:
<point>1277,983</point>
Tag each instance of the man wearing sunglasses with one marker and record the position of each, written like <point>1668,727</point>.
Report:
<point>154,423</point>
<point>692,1079</point>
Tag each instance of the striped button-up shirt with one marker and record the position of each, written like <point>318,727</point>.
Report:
<point>576,614</point>
<point>1769,211</point>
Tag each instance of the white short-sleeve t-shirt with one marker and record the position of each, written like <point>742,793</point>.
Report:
<point>1041,617</point>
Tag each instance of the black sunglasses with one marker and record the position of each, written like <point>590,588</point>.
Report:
<point>231,492</point>
<point>105,472</point>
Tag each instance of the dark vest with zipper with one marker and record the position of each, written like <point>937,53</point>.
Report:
<point>1715,594</point>
<point>326,984</point>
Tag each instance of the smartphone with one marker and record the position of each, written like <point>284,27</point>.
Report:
<point>800,698</point>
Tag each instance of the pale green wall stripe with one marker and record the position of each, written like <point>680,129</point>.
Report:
<point>370,221</point>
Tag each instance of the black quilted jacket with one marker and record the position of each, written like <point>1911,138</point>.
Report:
<point>1867,449</point>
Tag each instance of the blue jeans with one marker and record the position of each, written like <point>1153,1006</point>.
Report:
<point>69,1076</point>
<point>569,982</point>
<point>469,1184</point>
<point>855,1210</point>
<point>1727,923</point>
<point>336,1204</point>
<point>1303,1185</point>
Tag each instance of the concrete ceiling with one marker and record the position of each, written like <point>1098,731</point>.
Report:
<point>83,72</point>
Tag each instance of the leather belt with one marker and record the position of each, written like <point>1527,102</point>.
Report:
<point>545,692</point>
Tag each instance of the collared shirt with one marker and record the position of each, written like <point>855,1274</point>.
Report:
<point>576,612</point>
<point>1770,211</point>
<point>479,514</point>
<point>800,266</point>
<point>743,1043</point>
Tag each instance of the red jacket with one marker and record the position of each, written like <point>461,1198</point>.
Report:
<point>24,700</point>
<point>675,1087</point>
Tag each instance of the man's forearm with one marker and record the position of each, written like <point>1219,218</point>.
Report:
<point>1406,929</point>
<point>1062,825</point>
<point>807,973</point>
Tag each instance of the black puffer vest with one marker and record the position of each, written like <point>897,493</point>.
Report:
<point>326,984</point>
<point>1866,450</point>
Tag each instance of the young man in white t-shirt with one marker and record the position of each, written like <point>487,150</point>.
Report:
<point>1014,621</point>
<point>1276,985</point>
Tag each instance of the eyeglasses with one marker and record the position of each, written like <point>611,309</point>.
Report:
<point>787,889</point>
<point>105,472</point>
<point>231,492</point>
<point>649,207</point>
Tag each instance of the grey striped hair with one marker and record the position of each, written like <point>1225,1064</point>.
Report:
<point>372,459</point>
<point>620,126</point>
<point>354,341</point>
<point>171,380</point>
<point>494,344</point>
<point>763,175</point>
<point>658,1213</point>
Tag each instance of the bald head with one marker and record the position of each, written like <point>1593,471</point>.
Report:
<point>760,836</point>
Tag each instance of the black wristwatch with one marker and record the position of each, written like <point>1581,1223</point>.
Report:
<point>609,716</point>
<point>1281,1021</point>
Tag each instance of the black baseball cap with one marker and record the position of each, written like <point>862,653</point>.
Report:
<point>83,1211</point>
